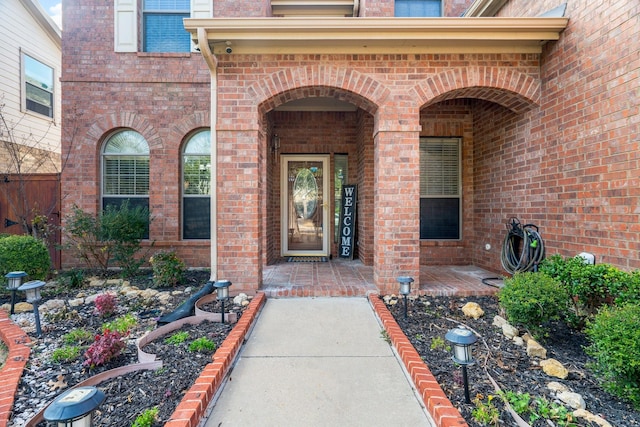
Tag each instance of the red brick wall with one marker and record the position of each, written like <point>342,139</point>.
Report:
<point>572,167</point>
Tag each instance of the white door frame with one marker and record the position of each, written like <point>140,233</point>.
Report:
<point>284,203</point>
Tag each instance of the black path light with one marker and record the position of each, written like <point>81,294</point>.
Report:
<point>462,340</point>
<point>222,290</point>
<point>75,407</point>
<point>14,280</point>
<point>405,290</point>
<point>32,289</point>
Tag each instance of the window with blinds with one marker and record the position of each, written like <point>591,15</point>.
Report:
<point>163,27</point>
<point>418,8</point>
<point>440,188</point>
<point>38,82</point>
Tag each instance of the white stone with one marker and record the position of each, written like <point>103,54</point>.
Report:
<point>473,310</point>
<point>76,302</point>
<point>518,341</point>
<point>573,400</point>
<point>176,293</point>
<point>245,303</point>
<point>557,387</point>
<point>534,349</point>
<point>53,304</point>
<point>499,321</point>
<point>238,299</point>
<point>509,331</point>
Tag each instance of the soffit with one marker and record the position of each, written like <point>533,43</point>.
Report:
<point>289,35</point>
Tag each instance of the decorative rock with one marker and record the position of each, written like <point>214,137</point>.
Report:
<point>526,337</point>
<point>149,293</point>
<point>245,303</point>
<point>238,299</point>
<point>472,309</point>
<point>176,293</point>
<point>22,307</point>
<point>583,413</point>
<point>6,307</point>
<point>518,341</point>
<point>553,368</point>
<point>52,304</point>
<point>534,349</point>
<point>557,387</point>
<point>499,321</point>
<point>77,302</point>
<point>574,400</point>
<point>163,297</point>
<point>509,331</point>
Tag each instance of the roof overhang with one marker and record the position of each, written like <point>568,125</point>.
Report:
<point>376,35</point>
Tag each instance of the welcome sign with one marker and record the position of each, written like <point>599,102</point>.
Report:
<point>347,222</point>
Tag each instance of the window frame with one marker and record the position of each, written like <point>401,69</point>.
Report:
<point>445,190</point>
<point>184,195</point>
<point>135,199</point>
<point>416,2</point>
<point>183,13</point>
<point>23,85</point>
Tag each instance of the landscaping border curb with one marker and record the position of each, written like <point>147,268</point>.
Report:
<point>437,403</point>
<point>194,404</point>
<point>17,342</point>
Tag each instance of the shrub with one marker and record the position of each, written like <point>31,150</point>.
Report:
<point>177,338</point>
<point>113,235</point>
<point>106,346</point>
<point>146,418</point>
<point>77,336</point>
<point>122,324</point>
<point>202,345</point>
<point>24,253</point>
<point>168,269</point>
<point>65,354</point>
<point>615,346</point>
<point>532,299</point>
<point>106,304</point>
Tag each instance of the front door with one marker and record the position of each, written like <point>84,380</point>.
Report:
<point>305,205</point>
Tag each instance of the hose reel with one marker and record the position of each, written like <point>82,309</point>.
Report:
<point>523,247</point>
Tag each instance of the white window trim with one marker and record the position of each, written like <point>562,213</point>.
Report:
<point>23,86</point>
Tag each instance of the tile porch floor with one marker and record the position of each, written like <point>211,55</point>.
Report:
<point>339,277</point>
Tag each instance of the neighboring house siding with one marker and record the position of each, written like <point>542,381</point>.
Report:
<point>22,33</point>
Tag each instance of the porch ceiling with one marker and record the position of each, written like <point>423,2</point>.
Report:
<point>377,35</point>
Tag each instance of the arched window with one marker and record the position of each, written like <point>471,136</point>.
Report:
<point>125,170</point>
<point>196,186</point>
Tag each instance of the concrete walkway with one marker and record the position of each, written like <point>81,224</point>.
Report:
<point>317,362</point>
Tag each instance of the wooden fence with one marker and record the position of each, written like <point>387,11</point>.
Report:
<point>23,197</point>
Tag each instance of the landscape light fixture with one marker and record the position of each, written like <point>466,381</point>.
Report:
<point>405,290</point>
<point>32,289</point>
<point>462,340</point>
<point>75,407</point>
<point>222,290</point>
<point>14,280</point>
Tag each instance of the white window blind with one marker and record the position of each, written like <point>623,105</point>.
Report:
<point>439,167</point>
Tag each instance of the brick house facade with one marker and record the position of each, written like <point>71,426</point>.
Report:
<point>545,124</point>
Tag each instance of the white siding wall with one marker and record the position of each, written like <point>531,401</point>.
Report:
<point>21,32</point>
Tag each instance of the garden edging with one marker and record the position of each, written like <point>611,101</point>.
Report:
<point>437,403</point>
<point>17,342</point>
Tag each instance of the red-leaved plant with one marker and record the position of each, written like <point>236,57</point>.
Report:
<point>105,347</point>
<point>106,304</point>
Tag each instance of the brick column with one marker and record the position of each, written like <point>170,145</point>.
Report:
<point>396,197</point>
<point>239,206</point>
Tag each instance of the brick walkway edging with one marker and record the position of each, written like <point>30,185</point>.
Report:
<point>439,406</point>
<point>17,342</point>
<point>195,402</point>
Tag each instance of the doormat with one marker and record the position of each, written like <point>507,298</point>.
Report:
<point>307,259</point>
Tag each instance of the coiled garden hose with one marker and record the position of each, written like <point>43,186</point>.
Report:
<point>523,247</point>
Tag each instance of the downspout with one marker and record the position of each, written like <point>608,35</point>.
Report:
<point>212,62</point>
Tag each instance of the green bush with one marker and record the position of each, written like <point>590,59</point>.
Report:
<point>615,345</point>
<point>630,292</point>
<point>532,299</point>
<point>24,253</point>
<point>66,354</point>
<point>146,418</point>
<point>114,235</point>
<point>168,269</point>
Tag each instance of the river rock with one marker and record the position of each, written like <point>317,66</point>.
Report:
<point>554,368</point>
<point>499,321</point>
<point>573,400</point>
<point>518,341</point>
<point>76,302</point>
<point>22,307</point>
<point>534,349</point>
<point>473,309</point>
<point>583,413</point>
<point>149,293</point>
<point>557,387</point>
<point>238,299</point>
<point>509,331</point>
<point>53,304</point>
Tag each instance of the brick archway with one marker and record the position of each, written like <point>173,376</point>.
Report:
<point>344,84</point>
<point>512,89</point>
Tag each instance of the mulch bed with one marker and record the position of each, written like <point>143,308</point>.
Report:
<point>429,319</point>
